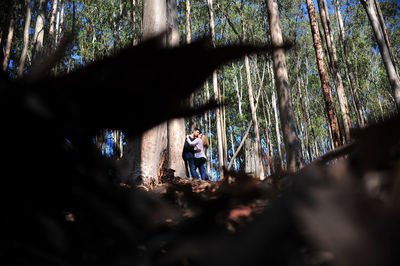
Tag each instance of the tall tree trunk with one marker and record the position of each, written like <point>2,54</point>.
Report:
<point>188,35</point>
<point>38,36</point>
<point>52,25</point>
<point>350,71</point>
<point>210,164</point>
<point>233,147</point>
<point>176,127</point>
<point>393,76</point>
<point>223,123</point>
<point>135,38</point>
<point>254,118</point>
<point>294,157</point>
<point>330,44</point>
<point>216,96</point>
<point>304,117</point>
<point>27,25</point>
<point>7,52</point>
<point>267,141</point>
<point>323,73</point>
<point>147,150</point>
<point>275,109</point>
<point>238,93</point>
<point>384,31</point>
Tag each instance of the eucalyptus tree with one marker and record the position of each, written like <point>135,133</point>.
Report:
<point>216,93</point>
<point>353,83</point>
<point>329,105</point>
<point>333,62</point>
<point>175,127</point>
<point>27,25</point>
<point>384,48</point>
<point>38,37</point>
<point>10,36</point>
<point>294,156</point>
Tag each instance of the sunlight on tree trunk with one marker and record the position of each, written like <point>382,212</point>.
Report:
<point>216,97</point>
<point>27,25</point>
<point>393,76</point>
<point>294,157</point>
<point>176,127</point>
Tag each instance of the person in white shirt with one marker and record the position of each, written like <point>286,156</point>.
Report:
<point>200,144</point>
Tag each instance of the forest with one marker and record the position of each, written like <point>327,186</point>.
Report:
<point>298,101</point>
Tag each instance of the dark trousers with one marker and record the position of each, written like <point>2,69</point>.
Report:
<point>190,160</point>
<point>201,164</point>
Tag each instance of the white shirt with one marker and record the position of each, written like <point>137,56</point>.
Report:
<point>198,145</point>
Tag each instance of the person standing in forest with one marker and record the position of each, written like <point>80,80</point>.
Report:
<point>199,144</point>
<point>188,154</point>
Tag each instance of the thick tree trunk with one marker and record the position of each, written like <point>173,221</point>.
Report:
<point>393,76</point>
<point>38,36</point>
<point>176,127</point>
<point>216,96</point>
<point>7,52</point>
<point>323,73</point>
<point>27,25</point>
<point>330,44</point>
<point>146,152</point>
<point>52,25</point>
<point>188,35</point>
<point>294,158</point>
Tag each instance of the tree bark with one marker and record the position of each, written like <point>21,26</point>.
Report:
<point>38,36</point>
<point>294,157</point>
<point>393,76</point>
<point>52,25</point>
<point>176,127</point>
<point>323,73</point>
<point>261,173</point>
<point>27,25</point>
<point>384,31</point>
<point>304,117</point>
<point>330,44</point>
<point>147,150</point>
<point>210,164</point>
<point>267,140</point>
<point>188,35</point>
<point>216,96</point>
<point>350,72</point>
<point>7,52</point>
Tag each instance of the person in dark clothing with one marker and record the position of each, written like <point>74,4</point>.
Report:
<point>188,155</point>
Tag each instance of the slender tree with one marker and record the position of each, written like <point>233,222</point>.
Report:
<point>393,76</point>
<point>323,73</point>
<point>216,94</point>
<point>26,38</point>
<point>333,62</point>
<point>294,158</point>
<point>349,68</point>
<point>38,36</point>
<point>51,38</point>
<point>10,36</point>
